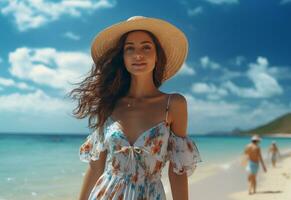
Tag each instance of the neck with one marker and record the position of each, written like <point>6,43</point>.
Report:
<point>142,87</point>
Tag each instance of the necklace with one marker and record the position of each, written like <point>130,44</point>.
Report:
<point>129,104</point>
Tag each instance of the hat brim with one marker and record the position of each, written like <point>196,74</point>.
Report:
<point>256,139</point>
<point>172,40</point>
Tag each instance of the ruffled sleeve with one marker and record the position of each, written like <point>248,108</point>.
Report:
<point>92,147</point>
<point>183,154</point>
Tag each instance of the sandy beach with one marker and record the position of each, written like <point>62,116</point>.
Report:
<point>273,185</point>
<point>231,183</point>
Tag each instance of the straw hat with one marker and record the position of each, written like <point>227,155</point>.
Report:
<point>256,138</point>
<point>172,40</point>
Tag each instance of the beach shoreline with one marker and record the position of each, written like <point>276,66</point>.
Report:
<point>231,183</point>
<point>273,185</point>
<point>217,176</point>
<point>278,135</point>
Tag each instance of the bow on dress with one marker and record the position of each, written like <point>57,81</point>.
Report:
<point>132,150</point>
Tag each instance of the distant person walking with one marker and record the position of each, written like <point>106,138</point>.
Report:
<point>254,157</point>
<point>274,152</point>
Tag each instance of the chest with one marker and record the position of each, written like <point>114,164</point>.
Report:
<point>137,119</point>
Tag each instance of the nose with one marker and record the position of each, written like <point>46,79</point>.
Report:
<point>138,56</point>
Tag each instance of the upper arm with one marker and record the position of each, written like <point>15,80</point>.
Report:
<point>246,150</point>
<point>260,154</point>
<point>178,115</point>
<point>100,163</point>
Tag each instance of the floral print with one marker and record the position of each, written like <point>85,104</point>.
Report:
<point>133,172</point>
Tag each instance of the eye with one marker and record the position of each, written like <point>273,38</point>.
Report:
<point>147,47</point>
<point>128,49</point>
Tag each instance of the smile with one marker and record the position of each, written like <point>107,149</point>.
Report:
<point>138,64</point>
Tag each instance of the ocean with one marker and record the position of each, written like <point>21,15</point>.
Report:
<point>48,167</point>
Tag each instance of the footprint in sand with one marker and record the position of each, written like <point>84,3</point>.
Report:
<point>286,175</point>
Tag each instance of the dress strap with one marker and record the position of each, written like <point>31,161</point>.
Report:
<point>167,109</point>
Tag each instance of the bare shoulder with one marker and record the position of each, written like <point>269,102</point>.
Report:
<point>178,102</point>
<point>178,114</point>
<point>178,105</point>
<point>247,147</point>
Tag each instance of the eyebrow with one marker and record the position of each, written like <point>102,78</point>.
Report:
<point>143,42</point>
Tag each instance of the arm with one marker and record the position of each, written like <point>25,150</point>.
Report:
<point>262,161</point>
<point>278,152</point>
<point>246,151</point>
<point>245,157</point>
<point>178,120</point>
<point>269,152</point>
<point>179,184</point>
<point>93,173</point>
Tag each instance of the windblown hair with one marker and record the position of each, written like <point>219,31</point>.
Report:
<point>108,81</point>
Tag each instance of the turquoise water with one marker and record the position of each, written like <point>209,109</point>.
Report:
<point>221,149</point>
<point>48,167</point>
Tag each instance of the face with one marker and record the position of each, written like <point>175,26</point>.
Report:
<point>139,53</point>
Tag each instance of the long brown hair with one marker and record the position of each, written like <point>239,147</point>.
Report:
<point>108,81</point>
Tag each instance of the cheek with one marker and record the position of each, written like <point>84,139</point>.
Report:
<point>153,58</point>
<point>151,55</point>
<point>126,61</point>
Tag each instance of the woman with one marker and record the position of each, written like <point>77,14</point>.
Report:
<point>139,128</point>
<point>274,151</point>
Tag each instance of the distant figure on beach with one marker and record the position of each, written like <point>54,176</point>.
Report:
<point>274,152</point>
<point>254,157</point>
<point>137,128</point>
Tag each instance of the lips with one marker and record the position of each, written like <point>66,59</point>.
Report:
<point>138,64</point>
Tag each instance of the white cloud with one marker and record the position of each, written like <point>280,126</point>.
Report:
<point>38,112</point>
<point>207,63</point>
<point>201,88</point>
<point>228,74</point>
<point>239,60</point>
<point>207,88</point>
<point>220,2</point>
<point>186,70</point>
<point>282,72</point>
<point>29,14</point>
<point>196,11</point>
<point>72,36</point>
<point>261,74</point>
<point>34,102</point>
<point>285,1</point>
<point>49,67</point>
<point>207,115</point>
<point>264,84</point>
<point>202,113</point>
<point>11,83</point>
<point>213,92</point>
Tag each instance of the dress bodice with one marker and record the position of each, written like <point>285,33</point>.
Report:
<point>136,169</point>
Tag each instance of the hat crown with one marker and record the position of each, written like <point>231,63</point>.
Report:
<point>135,18</point>
<point>256,138</point>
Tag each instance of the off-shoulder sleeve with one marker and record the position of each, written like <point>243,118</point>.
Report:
<point>92,147</point>
<point>183,154</point>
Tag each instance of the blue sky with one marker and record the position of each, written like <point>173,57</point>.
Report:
<point>237,74</point>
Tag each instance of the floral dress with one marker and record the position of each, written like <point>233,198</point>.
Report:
<point>133,172</point>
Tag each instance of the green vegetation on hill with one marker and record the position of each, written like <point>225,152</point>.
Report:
<point>279,125</point>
